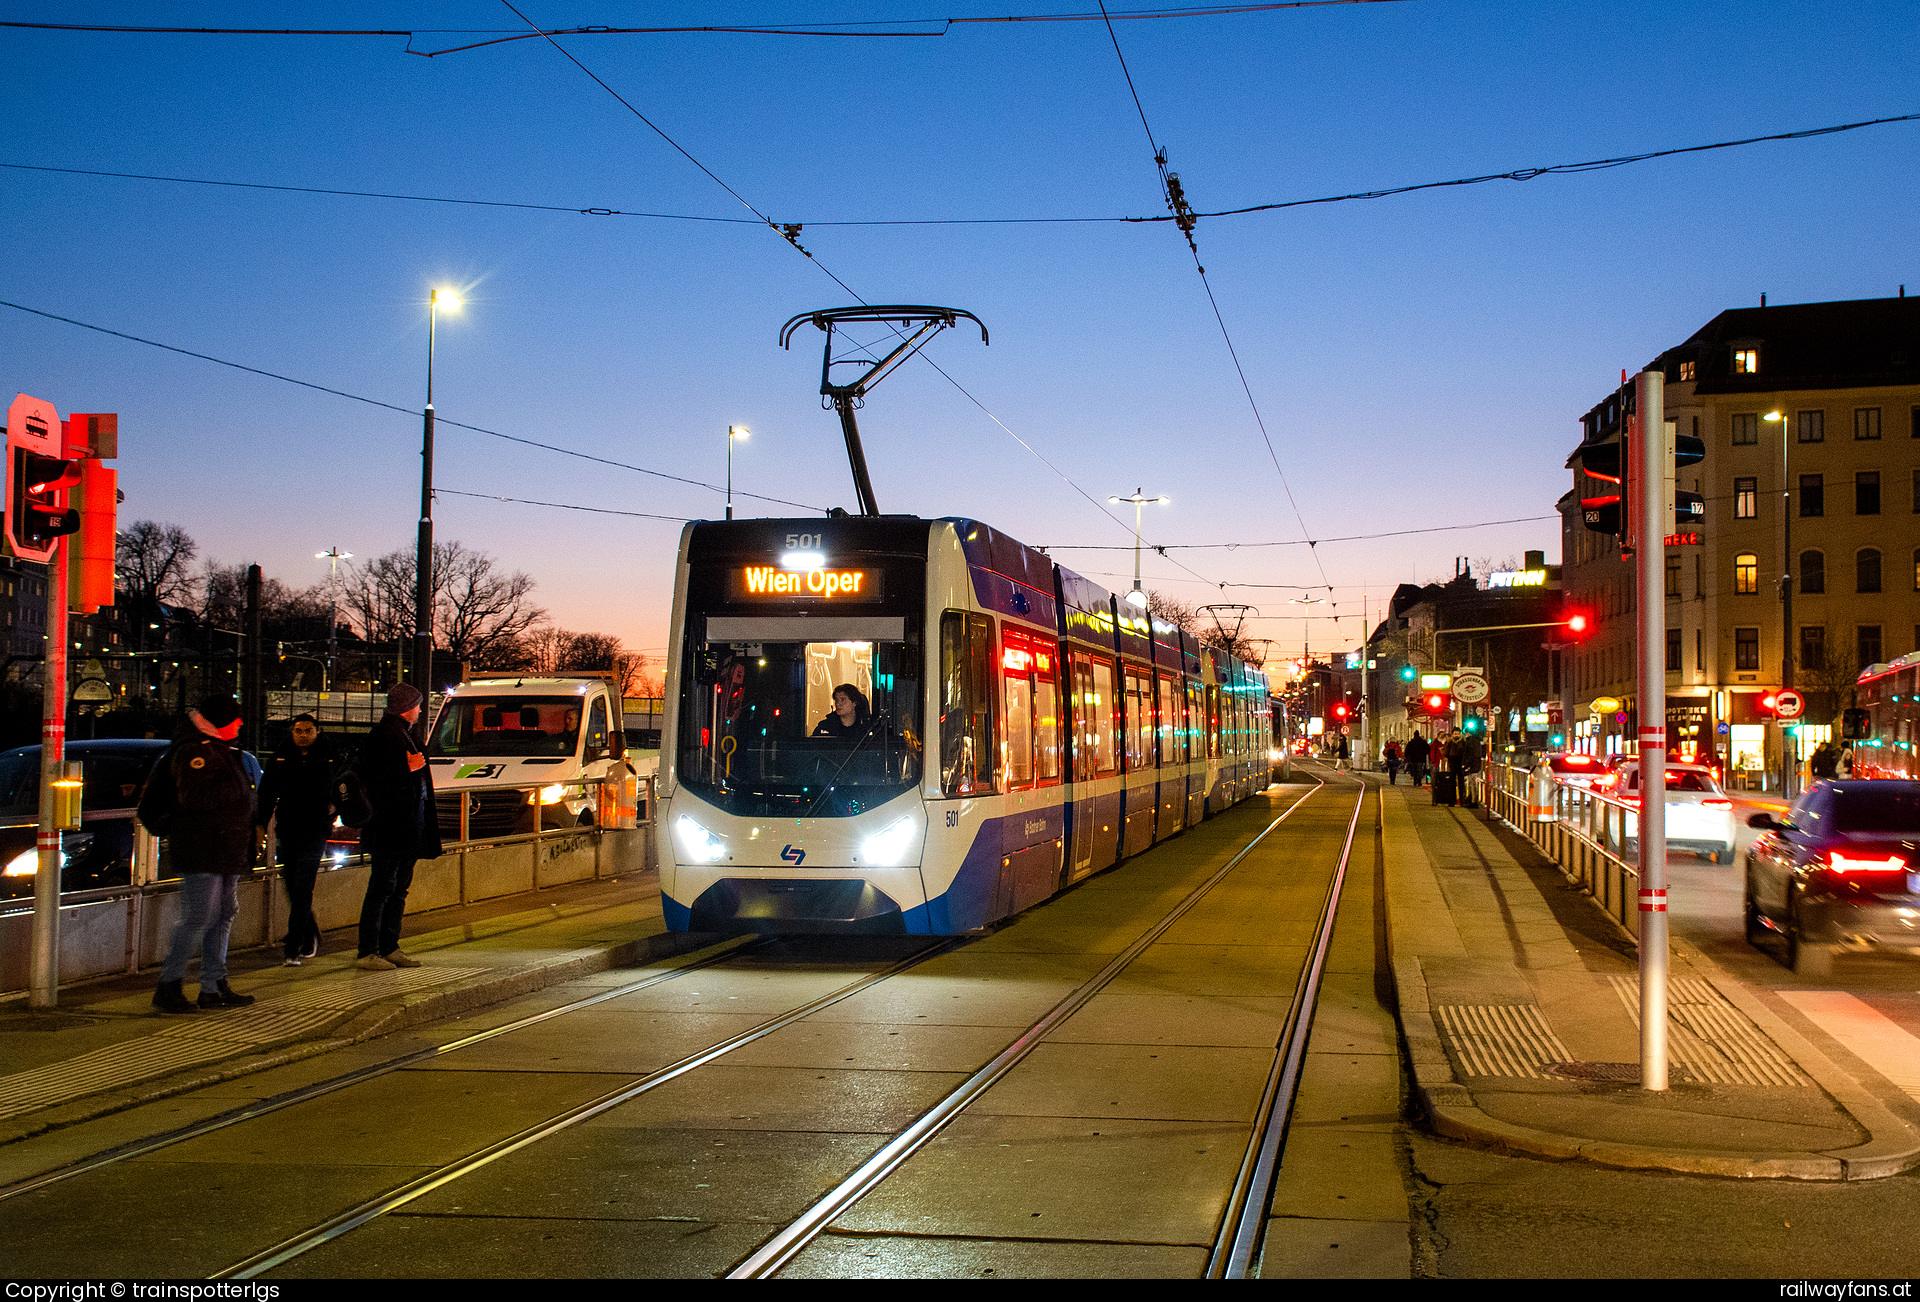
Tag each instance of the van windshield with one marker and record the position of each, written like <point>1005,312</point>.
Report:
<point>508,725</point>
<point>827,728</point>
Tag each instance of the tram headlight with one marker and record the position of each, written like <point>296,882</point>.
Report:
<point>892,844</point>
<point>700,845</point>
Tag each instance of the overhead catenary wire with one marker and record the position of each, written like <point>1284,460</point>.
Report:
<point>409,411</point>
<point>1183,216</point>
<point>789,234</point>
<point>1516,174</point>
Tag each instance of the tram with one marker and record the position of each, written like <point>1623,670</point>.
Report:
<point>1885,693</point>
<point>888,724</point>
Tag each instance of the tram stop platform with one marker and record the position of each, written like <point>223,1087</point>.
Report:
<point>104,1050</point>
<point>1519,1003</point>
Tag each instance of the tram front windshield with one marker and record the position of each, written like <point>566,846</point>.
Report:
<point>826,729</point>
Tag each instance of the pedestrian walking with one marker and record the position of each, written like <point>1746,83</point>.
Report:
<point>297,797</point>
<point>1417,751</point>
<point>403,830</point>
<point>1390,756</point>
<point>1343,755</point>
<point>208,823</point>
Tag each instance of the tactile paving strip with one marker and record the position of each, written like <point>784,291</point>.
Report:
<point>1501,1039</point>
<point>1711,1038</point>
<point>210,1035</point>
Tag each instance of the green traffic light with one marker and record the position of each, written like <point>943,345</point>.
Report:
<point>1406,673</point>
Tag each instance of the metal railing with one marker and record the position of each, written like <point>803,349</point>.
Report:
<point>123,928</point>
<point>1587,835</point>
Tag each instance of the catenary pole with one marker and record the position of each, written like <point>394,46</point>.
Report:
<point>1650,456</point>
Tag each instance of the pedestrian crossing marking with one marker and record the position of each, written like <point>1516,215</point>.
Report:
<point>1866,1032</point>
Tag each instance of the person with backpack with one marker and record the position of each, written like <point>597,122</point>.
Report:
<point>298,790</point>
<point>1390,755</point>
<point>200,798</point>
<point>403,829</point>
<point>1417,759</point>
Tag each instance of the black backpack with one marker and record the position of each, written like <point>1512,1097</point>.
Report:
<point>350,801</point>
<point>159,799</point>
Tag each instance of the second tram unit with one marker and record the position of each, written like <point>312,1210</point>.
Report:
<point>1890,718</point>
<point>886,724</point>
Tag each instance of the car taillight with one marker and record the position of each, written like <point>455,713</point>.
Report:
<point>1712,803</point>
<point>1834,861</point>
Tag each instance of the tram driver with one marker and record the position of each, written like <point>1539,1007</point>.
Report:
<point>851,716</point>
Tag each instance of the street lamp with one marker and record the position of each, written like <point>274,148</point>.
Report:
<point>333,556</point>
<point>1786,596</point>
<point>1137,598</point>
<point>1306,655</point>
<point>733,432</point>
<point>423,559</point>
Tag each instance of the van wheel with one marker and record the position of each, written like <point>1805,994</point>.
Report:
<point>1757,930</point>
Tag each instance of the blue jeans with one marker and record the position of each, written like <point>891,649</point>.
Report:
<point>207,904</point>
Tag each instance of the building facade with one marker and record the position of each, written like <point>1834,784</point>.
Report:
<point>1810,416</point>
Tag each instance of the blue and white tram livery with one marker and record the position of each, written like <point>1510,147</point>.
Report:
<point>1022,728</point>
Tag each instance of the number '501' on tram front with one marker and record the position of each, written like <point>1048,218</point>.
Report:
<point>896,725</point>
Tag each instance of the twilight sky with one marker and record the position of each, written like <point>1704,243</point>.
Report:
<point>1419,360</point>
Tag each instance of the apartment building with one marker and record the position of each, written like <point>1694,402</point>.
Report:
<point>1810,414</point>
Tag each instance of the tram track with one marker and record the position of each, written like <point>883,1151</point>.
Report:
<point>1239,1235</point>
<point>771,1256</point>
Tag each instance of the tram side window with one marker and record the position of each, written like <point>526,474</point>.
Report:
<point>1139,724</point>
<point>1100,711</point>
<point>1193,716</point>
<point>1027,664</point>
<point>966,703</point>
<point>1169,720</point>
<point>1213,723</point>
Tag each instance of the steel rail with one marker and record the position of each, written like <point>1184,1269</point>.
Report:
<point>260,1108</point>
<point>1244,1224</point>
<point>784,1246</point>
<point>354,1217</point>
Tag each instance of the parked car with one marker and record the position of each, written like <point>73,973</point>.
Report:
<point>1699,812</point>
<point>101,852</point>
<point>1841,869</point>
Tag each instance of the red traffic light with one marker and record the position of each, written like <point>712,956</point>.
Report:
<point>1577,624</point>
<point>1768,704</point>
<point>1340,710</point>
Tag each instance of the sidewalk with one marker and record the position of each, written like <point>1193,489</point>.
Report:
<point>105,1049</point>
<point>1519,1000</point>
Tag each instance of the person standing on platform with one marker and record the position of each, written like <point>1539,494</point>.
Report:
<point>403,830</point>
<point>1417,750</point>
<point>210,842</point>
<point>298,787</point>
<point>1390,757</point>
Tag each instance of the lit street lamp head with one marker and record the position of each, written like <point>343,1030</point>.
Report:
<point>444,298</point>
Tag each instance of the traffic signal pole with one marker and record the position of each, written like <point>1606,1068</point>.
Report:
<point>1650,501</point>
<point>45,956</point>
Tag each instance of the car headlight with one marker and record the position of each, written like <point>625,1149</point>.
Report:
<point>700,845</point>
<point>890,846</point>
<point>551,795</point>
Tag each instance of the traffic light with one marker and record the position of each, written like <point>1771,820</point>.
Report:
<point>1853,725</point>
<point>1557,739</point>
<point>1473,725</point>
<point>36,480</point>
<point>1768,705</point>
<point>1437,704</point>
<point>1606,461</point>
<point>1579,625</point>
<point>1408,673</point>
<point>1340,711</point>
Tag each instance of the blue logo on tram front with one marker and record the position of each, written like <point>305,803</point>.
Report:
<point>793,856</point>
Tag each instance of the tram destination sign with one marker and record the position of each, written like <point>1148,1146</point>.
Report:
<point>776,584</point>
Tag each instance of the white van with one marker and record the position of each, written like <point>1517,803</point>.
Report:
<point>494,738</point>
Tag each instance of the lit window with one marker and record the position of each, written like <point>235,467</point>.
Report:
<point>1686,372</point>
<point>1746,499</point>
<point>1746,573</point>
<point>1746,361</point>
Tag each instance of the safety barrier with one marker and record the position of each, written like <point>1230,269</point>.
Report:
<point>125,928</point>
<point>1586,833</point>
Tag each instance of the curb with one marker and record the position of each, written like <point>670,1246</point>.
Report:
<point>1892,1145</point>
<point>385,1017</point>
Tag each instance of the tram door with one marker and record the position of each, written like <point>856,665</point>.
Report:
<point>1173,759</point>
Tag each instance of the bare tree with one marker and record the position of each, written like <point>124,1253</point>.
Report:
<point>1173,611</point>
<point>479,612</point>
<point>551,650</point>
<point>152,561</point>
<point>1829,682</point>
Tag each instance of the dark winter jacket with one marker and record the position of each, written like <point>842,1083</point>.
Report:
<point>1417,751</point>
<point>299,787</point>
<point>212,827</point>
<point>400,789</point>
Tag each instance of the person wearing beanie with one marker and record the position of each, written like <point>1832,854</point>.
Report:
<point>403,830</point>
<point>210,841</point>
